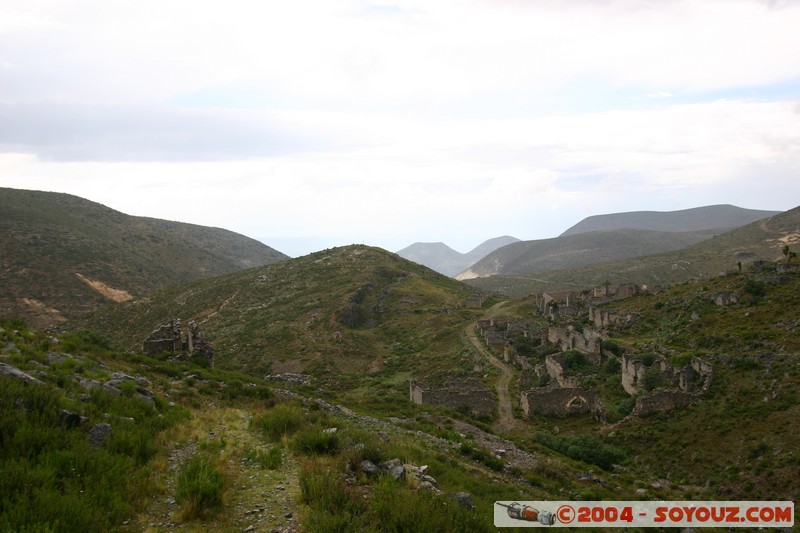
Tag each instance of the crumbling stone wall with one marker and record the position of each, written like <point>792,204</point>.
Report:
<point>164,339</point>
<point>568,338</point>
<point>551,401</point>
<point>661,400</point>
<point>468,393</point>
<point>168,338</point>
<point>696,376</point>
<point>554,364</point>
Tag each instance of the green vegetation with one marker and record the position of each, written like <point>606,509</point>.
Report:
<point>200,487</point>
<point>587,448</point>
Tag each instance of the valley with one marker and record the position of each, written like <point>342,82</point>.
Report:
<point>354,390</point>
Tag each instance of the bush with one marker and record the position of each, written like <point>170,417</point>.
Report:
<point>587,448</point>
<point>315,441</point>
<point>482,456</point>
<point>283,419</point>
<point>200,487</point>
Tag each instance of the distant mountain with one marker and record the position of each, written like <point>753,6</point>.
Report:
<point>760,240</point>
<point>61,255</point>
<point>613,237</point>
<point>526,257</point>
<point>696,219</point>
<point>443,259</point>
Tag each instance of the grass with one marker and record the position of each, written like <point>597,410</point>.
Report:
<point>201,487</point>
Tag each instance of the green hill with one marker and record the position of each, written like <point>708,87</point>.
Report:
<point>351,317</point>
<point>61,255</point>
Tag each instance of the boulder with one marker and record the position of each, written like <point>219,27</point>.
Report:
<point>14,372</point>
<point>99,434</point>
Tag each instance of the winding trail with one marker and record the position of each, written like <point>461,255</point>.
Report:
<point>506,421</point>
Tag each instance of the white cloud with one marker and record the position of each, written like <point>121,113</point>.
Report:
<point>399,121</point>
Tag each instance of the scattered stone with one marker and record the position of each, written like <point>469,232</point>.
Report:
<point>462,498</point>
<point>368,467</point>
<point>99,434</point>
<point>14,372</point>
<point>70,419</point>
<point>330,431</point>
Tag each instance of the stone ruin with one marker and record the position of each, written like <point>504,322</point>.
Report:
<point>682,385</point>
<point>465,394</point>
<point>168,338</point>
<point>558,401</point>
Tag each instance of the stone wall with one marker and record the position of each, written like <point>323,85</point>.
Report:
<point>468,393</point>
<point>551,401</point>
<point>661,400</point>
<point>567,337</point>
<point>696,376</point>
<point>168,338</point>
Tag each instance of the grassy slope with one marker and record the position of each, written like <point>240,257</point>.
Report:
<point>356,318</point>
<point>46,238</point>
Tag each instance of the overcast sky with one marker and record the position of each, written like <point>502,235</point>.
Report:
<point>309,124</point>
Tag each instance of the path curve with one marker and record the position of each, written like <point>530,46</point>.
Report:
<point>506,421</point>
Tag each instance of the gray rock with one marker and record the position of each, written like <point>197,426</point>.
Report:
<point>368,467</point>
<point>14,372</point>
<point>99,434</point>
<point>463,498</point>
<point>70,419</point>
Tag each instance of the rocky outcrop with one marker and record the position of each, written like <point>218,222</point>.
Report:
<point>468,394</point>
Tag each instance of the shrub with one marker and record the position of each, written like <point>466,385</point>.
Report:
<point>200,487</point>
<point>283,419</point>
<point>587,448</point>
<point>482,456</point>
<point>315,441</point>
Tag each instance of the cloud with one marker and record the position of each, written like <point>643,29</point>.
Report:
<point>77,132</point>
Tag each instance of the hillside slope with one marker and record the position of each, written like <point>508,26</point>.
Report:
<point>581,249</point>
<point>61,255</point>
<point>353,315</point>
<point>443,259</point>
<point>695,219</point>
<point>761,240</point>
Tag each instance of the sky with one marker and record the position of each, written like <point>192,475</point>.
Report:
<point>317,123</point>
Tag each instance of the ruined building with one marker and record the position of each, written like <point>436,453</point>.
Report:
<point>169,339</point>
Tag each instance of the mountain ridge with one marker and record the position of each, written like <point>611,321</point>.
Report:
<point>697,218</point>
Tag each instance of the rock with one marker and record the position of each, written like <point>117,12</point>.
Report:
<point>248,529</point>
<point>14,372</point>
<point>368,467</point>
<point>463,498</point>
<point>426,486</point>
<point>99,434</point>
<point>395,468</point>
<point>330,431</point>
<point>429,479</point>
<point>70,419</point>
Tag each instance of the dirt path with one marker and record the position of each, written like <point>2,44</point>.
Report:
<point>256,499</point>
<point>506,421</point>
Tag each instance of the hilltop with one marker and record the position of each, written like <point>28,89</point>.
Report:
<point>62,255</point>
<point>443,259</point>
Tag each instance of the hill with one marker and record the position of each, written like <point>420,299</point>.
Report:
<point>443,259</point>
<point>571,251</point>
<point>712,217</point>
<point>61,255</point>
<point>354,317</point>
<point>761,240</point>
